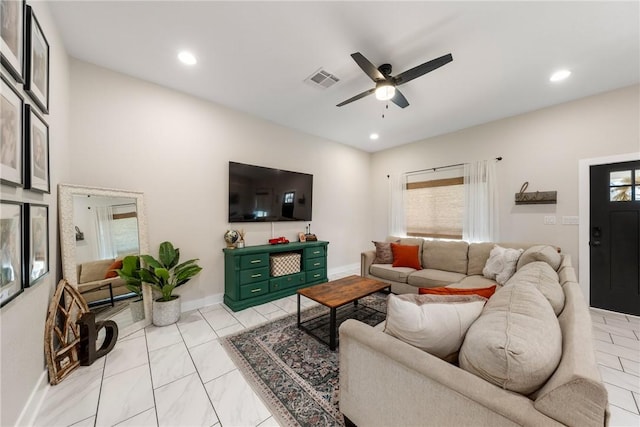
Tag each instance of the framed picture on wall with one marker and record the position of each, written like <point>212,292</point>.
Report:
<point>11,274</point>
<point>11,120</point>
<point>36,151</point>
<point>12,37</point>
<point>36,242</point>
<point>37,63</point>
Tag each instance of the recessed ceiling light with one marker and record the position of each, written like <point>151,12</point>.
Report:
<point>374,136</point>
<point>187,58</point>
<point>559,75</point>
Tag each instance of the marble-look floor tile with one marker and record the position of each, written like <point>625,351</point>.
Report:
<point>622,324</point>
<point>219,319</point>
<point>249,317</point>
<point>266,308</point>
<point>211,360</point>
<point>235,402</point>
<point>73,400</point>
<point>622,332</point>
<point>206,308</point>
<point>269,422</point>
<point>237,327</point>
<point>162,336</point>
<point>184,402</point>
<point>125,355</point>
<point>631,366</point>
<point>276,315</point>
<point>169,364</point>
<point>195,330</point>
<point>288,305</point>
<point>602,336</point>
<point>621,398</point>
<point>626,342</point>
<point>124,395</point>
<point>88,422</point>
<point>597,318</point>
<point>137,334</point>
<point>621,379</point>
<point>616,350</point>
<point>609,360</point>
<point>144,419</point>
<point>622,418</point>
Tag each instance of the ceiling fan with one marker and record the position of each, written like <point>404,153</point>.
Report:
<point>386,83</point>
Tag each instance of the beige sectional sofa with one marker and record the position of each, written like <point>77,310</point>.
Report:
<point>443,263</point>
<point>385,381</point>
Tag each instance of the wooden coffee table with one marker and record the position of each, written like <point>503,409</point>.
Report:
<point>335,294</point>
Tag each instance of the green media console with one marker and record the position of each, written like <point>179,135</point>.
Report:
<point>247,272</point>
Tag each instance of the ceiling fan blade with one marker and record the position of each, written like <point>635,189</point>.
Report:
<point>355,98</point>
<point>422,69</point>
<point>399,99</point>
<point>369,69</point>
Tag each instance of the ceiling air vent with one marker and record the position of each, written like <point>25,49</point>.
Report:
<point>322,78</point>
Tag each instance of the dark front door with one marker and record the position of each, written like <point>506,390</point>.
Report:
<point>615,237</point>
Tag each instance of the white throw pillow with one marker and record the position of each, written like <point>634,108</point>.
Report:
<point>501,264</point>
<point>436,324</point>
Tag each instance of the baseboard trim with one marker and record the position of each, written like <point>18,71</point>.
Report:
<point>343,270</point>
<point>202,302</point>
<point>34,402</point>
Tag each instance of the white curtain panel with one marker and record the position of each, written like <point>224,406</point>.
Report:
<point>104,225</point>
<point>397,188</point>
<point>480,202</point>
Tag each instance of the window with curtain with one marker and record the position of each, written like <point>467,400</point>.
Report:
<point>434,204</point>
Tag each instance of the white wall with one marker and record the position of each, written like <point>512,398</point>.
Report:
<point>134,135</point>
<point>22,366</point>
<point>543,147</point>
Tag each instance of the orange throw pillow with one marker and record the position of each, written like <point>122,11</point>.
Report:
<point>117,265</point>
<point>483,292</point>
<point>405,256</point>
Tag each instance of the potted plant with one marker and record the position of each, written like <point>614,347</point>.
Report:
<point>164,275</point>
<point>130,273</point>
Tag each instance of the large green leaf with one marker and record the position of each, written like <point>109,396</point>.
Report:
<point>169,256</point>
<point>149,277</point>
<point>151,261</point>
<point>162,273</point>
<point>185,274</point>
<point>130,264</point>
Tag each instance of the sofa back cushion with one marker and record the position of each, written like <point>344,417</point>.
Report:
<point>544,253</point>
<point>410,241</point>
<point>479,254</point>
<point>94,270</point>
<point>445,255</point>
<point>541,276</point>
<point>516,343</point>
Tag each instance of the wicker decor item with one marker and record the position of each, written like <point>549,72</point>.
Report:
<point>62,333</point>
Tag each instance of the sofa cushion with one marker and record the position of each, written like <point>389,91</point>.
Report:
<point>94,270</point>
<point>111,270</point>
<point>434,323</point>
<point>405,256</point>
<point>544,253</point>
<point>540,275</point>
<point>483,292</point>
<point>428,278</point>
<point>479,254</point>
<point>383,252</point>
<point>445,255</point>
<point>516,343</point>
<point>409,241</point>
<point>501,263</point>
<point>388,272</point>
<point>475,281</point>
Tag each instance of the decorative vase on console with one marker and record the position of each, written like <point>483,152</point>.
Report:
<point>240,242</point>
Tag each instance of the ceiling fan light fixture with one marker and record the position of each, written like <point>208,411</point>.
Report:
<point>385,91</point>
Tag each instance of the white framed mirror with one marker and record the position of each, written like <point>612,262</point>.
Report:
<point>99,227</point>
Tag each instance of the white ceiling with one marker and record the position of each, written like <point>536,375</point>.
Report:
<point>255,56</point>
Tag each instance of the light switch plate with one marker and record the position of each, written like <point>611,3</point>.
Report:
<point>549,220</point>
<point>571,220</point>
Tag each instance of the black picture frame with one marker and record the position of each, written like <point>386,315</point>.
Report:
<point>12,37</point>
<point>36,149</point>
<point>36,62</point>
<point>12,140</point>
<point>11,251</point>
<point>36,242</point>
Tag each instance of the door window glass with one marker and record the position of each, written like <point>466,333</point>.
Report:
<point>620,186</point>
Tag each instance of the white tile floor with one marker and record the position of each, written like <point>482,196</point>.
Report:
<point>180,375</point>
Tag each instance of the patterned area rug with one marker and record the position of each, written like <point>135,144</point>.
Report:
<point>296,375</point>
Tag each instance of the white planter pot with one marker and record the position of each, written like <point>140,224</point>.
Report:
<point>137,310</point>
<point>166,312</point>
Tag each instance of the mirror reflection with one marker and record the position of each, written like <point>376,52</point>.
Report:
<point>99,227</point>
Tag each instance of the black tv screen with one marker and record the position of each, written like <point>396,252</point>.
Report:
<point>260,194</point>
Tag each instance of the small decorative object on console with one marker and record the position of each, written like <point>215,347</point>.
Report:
<point>240,242</point>
<point>308,237</point>
<point>278,241</point>
<point>285,263</point>
<point>231,237</point>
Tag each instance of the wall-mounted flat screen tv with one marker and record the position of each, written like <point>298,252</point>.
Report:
<point>261,194</point>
